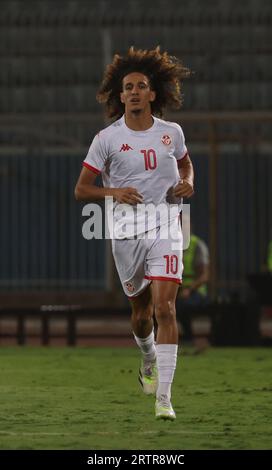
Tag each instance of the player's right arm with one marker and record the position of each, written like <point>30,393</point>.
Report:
<point>87,191</point>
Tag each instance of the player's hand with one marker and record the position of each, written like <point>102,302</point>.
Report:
<point>127,196</point>
<point>183,189</point>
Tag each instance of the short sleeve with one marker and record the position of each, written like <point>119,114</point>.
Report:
<point>180,147</point>
<point>96,156</point>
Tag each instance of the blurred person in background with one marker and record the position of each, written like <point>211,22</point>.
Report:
<point>193,292</point>
<point>144,160</point>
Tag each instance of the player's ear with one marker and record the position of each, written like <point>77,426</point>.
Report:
<point>152,96</point>
<point>122,97</point>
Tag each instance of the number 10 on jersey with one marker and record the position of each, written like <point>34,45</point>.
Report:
<point>150,159</point>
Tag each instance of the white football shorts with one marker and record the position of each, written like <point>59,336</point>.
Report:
<point>156,256</point>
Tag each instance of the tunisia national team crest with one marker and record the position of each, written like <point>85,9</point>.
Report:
<point>166,140</point>
<point>129,286</point>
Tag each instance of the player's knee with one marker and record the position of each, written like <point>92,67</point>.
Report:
<point>165,311</point>
<point>142,316</point>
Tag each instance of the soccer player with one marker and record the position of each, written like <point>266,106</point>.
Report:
<point>144,161</point>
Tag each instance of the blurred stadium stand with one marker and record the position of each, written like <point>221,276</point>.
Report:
<point>52,56</point>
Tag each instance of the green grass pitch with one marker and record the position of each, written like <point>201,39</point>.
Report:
<point>89,398</point>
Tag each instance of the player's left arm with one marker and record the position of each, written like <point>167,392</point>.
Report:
<point>185,188</point>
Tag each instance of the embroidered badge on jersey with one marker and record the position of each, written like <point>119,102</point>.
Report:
<point>129,286</point>
<point>166,140</point>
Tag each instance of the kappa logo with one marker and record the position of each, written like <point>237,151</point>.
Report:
<point>125,148</point>
<point>166,140</point>
<point>129,286</point>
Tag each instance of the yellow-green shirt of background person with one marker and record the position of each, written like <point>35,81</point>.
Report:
<point>195,255</point>
<point>269,257</point>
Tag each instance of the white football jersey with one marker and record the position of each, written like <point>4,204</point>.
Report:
<point>145,160</point>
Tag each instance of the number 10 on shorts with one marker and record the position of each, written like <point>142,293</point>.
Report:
<point>171,264</point>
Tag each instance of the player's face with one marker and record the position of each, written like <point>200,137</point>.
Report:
<point>137,94</point>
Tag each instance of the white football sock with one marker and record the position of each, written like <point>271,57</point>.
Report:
<point>147,346</point>
<point>166,361</point>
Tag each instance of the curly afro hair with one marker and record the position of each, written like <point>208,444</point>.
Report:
<point>164,72</point>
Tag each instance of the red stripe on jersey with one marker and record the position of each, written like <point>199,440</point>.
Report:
<point>92,168</point>
<point>180,160</point>
<point>161,278</point>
